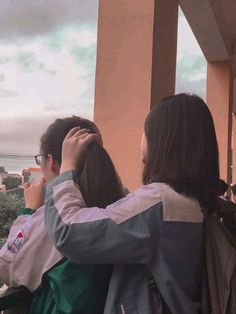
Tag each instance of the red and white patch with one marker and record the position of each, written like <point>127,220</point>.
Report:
<point>15,244</point>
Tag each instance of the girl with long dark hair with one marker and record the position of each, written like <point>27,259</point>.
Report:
<point>29,258</point>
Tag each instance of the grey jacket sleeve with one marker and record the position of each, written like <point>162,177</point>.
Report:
<point>118,233</point>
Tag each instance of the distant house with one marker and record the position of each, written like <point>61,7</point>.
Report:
<point>31,174</point>
<point>5,175</point>
<point>8,181</point>
<point>2,186</point>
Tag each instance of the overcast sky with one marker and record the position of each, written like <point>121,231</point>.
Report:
<point>191,64</point>
<point>47,66</point>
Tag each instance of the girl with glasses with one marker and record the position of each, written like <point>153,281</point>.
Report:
<point>29,258</point>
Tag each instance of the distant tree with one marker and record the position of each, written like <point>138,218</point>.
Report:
<point>2,170</point>
<point>9,205</point>
<point>18,192</point>
<point>11,182</point>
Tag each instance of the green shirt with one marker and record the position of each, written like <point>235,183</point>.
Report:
<point>72,288</point>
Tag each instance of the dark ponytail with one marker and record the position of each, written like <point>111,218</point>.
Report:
<point>97,178</point>
<point>98,181</point>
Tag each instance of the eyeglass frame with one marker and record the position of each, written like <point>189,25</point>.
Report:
<point>39,155</point>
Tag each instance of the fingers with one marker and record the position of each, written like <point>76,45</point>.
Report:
<point>89,138</point>
<point>72,132</point>
<point>82,136</point>
<point>78,133</point>
<point>40,182</point>
<point>96,132</point>
<point>92,124</point>
<point>85,137</point>
<point>26,185</point>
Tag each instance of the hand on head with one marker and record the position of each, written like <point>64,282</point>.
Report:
<point>34,194</point>
<point>94,130</point>
<point>74,147</point>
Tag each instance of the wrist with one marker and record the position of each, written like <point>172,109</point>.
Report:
<point>31,206</point>
<point>25,211</point>
<point>68,167</point>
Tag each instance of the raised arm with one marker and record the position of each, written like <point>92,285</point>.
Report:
<point>119,233</point>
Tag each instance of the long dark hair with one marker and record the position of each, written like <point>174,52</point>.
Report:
<point>97,178</point>
<point>182,147</point>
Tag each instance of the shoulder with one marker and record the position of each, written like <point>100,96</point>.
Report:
<point>178,207</point>
<point>156,196</point>
<point>134,203</point>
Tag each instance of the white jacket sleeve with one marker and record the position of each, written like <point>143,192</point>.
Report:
<point>28,252</point>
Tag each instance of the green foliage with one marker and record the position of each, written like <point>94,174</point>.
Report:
<point>11,182</point>
<point>2,241</point>
<point>9,205</point>
<point>19,192</point>
<point>2,170</point>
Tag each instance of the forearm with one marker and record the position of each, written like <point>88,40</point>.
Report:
<point>96,235</point>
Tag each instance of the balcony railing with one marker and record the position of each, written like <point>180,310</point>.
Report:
<point>15,300</point>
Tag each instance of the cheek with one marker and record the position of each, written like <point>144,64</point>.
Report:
<point>45,170</point>
<point>144,149</point>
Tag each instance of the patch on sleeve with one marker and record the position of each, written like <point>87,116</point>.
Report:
<point>15,244</point>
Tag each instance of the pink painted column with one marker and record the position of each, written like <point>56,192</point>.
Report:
<point>135,68</point>
<point>234,133</point>
<point>219,100</point>
<point>234,151</point>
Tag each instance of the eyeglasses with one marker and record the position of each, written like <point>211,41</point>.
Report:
<point>38,158</point>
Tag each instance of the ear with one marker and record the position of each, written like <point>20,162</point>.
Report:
<point>53,165</point>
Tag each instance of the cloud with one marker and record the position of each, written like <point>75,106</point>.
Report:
<point>22,135</point>
<point>29,62</point>
<point>7,93</point>
<point>84,55</point>
<point>38,39</point>
<point>39,75</point>
<point>192,67</point>
<point>191,75</point>
<point>49,54</point>
<point>20,19</point>
<point>191,63</point>
<point>197,87</point>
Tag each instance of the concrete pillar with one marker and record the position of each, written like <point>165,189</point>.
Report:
<point>234,134</point>
<point>136,56</point>
<point>234,151</point>
<point>219,100</point>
